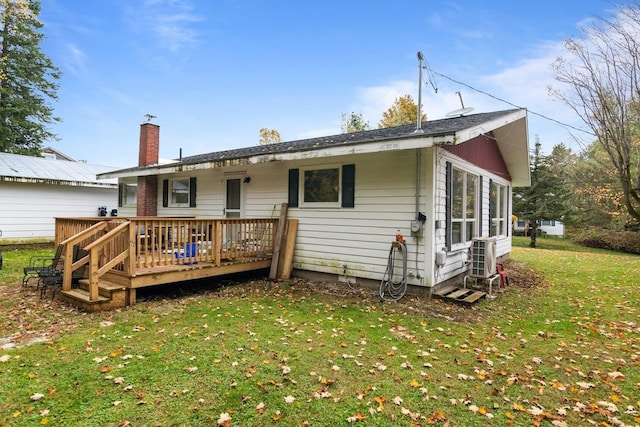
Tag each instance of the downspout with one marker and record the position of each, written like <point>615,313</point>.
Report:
<point>418,189</point>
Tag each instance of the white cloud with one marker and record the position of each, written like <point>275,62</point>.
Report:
<point>75,59</point>
<point>170,20</point>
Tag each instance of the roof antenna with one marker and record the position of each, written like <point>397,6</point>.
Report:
<point>149,117</point>
<point>423,64</point>
<point>419,121</point>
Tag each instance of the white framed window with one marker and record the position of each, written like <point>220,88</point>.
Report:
<point>320,186</point>
<point>129,193</point>
<point>179,192</point>
<point>464,206</point>
<point>498,203</point>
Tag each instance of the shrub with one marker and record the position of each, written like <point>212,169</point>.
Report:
<point>620,241</point>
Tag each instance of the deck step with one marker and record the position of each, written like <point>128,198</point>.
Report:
<point>80,298</point>
<point>458,294</point>
<point>83,295</point>
<point>105,287</point>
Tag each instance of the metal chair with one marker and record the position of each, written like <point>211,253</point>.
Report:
<point>54,276</point>
<point>40,263</point>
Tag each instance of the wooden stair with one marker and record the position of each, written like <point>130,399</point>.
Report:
<point>458,294</point>
<point>110,296</point>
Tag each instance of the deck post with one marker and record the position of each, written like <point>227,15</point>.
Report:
<point>93,274</point>
<point>282,224</point>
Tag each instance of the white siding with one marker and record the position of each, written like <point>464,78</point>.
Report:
<point>27,211</point>
<point>360,237</point>
<point>458,257</point>
<point>328,238</point>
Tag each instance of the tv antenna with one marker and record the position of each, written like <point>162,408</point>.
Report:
<point>460,111</point>
<point>423,65</point>
<point>149,117</point>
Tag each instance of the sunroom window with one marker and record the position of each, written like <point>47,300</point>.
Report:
<point>464,191</point>
<point>498,203</point>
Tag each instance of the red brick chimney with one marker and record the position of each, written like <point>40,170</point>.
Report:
<point>147,203</point>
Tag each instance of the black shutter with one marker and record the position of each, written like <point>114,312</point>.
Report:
<point>479,203</point>
<point>294,187</point>
<point>165,193</point>
<point>447,204</point>
<point>192,192</point>
<point>348,186</point>
<point>120,193</point>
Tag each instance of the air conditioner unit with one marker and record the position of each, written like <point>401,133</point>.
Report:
<point>483,258</point>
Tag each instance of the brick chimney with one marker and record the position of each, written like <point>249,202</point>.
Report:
<point>147,203</point>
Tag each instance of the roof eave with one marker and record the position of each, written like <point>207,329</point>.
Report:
<point>404,143</point>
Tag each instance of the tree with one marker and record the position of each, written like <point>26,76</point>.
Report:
<point>597,198</point>
<point>403,111</point>
<point>602,81</point>
<point>548,197</point>
<point>28,80</point>
<point>269,136</point>
<point>352,123</point>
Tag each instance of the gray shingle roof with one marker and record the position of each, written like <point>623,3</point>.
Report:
<point>429,128</point>
<point>15,167</point>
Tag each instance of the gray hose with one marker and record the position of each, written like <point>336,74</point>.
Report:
<point>391,290</point>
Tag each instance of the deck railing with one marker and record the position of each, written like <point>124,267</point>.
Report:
<point>132,245</point>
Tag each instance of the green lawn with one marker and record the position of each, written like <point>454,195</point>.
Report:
<point>563,350</point>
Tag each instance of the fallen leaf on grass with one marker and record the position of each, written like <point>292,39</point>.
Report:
<point>36,396</point>
<point>355,418</point>
<point>224,420</point>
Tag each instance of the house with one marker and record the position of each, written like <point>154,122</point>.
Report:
<point>35,190</point>
<point>545,227</point>
<point>439,186</point>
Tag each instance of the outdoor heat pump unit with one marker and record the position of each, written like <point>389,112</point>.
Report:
<point>483,257</point>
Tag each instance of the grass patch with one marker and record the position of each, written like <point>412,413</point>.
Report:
<point>561,345</point>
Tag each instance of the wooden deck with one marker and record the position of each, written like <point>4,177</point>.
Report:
<point>120,255</point>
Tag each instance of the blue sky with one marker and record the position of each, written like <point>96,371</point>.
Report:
<point>214,72</point>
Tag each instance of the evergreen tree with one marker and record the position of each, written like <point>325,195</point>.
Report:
<point>352,123</point>
<point>28,79</point>
<point>548,197</point>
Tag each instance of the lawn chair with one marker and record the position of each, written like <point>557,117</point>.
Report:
<point>40,263</point>
<point>54,276</point>
<point>504,278</point>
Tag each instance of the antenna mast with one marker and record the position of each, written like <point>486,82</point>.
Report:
<point>419,121</point>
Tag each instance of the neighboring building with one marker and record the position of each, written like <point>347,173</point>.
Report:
<point>52,153</point>
<point>546,228</point>
<point>35,190</point>
<point>440,187</point>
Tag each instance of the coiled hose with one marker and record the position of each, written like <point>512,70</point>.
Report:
<point>390,289</point>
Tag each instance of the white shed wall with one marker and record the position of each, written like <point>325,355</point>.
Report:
<point>28,211</point>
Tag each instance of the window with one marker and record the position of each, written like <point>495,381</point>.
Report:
<point>498,205</point>
<point>548,222</point>
<point>128,193</point>
<point>179,192</point>
<point>464,191</point>
<point>322,187</point>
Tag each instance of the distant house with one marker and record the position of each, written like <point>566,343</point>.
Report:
<point>546,227</point>
<point>440,186</point>
<point>35,190</point>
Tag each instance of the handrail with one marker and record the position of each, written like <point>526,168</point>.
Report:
<point>70,265</point>
<point>95,270</point>
<point>125,246</point>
